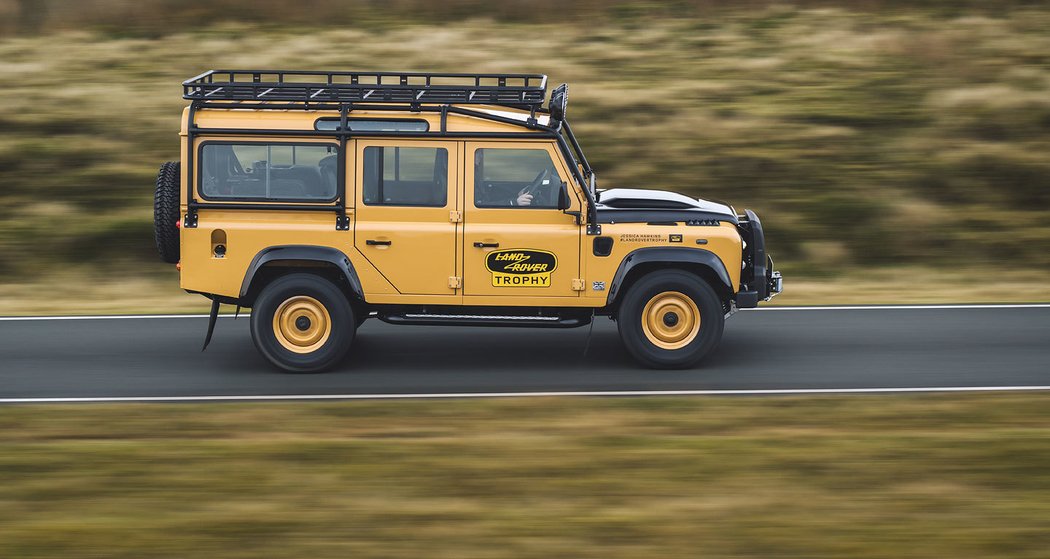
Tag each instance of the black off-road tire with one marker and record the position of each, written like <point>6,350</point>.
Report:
<point>166,212</point>
<point>292,344</point>
<point>654,320</point>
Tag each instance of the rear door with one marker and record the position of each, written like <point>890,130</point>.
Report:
<point>407,193</point>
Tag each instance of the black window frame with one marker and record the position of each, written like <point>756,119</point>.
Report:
<point>200,173</point>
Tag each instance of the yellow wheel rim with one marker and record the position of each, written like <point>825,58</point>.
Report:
<point>671,320</point>
<point>302,324</point>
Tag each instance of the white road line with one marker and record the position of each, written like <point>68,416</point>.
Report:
<point>463,395</point>
<point>829,308</point>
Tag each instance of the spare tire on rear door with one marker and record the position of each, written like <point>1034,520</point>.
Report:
<point>166,212</point>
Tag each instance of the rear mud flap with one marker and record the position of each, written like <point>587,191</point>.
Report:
<point>211,323</point>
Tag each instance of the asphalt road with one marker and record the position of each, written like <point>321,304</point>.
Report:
<point>798,349</point>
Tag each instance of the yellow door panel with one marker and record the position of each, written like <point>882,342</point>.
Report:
<point>511,249</point>
<point>407,191</point>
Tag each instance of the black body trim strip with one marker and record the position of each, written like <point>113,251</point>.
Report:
<point>562,322</point>
<point>191,214</point>
<point>470,315</point>
<point>265,206</point>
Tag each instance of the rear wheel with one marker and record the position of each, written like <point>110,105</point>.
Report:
<point>670,320</point>
<point>302,323</point>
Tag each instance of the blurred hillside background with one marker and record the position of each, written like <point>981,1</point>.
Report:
<point>905,141</point>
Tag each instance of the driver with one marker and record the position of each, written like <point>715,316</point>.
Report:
<point>523,199</point>
<point>535,193</point>
<point>540,187</point>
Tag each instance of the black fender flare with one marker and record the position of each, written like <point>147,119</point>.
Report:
<point>306,253</point>
<point>669,255</point>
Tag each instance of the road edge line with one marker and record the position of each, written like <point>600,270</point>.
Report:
<point>545,394</point>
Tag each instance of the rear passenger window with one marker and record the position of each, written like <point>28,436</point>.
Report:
<point>268,172</point>
<point>403,176</point>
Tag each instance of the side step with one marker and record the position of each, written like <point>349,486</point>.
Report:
<point>434,319</point>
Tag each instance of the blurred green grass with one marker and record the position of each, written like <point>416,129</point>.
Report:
<point>875,476</point>
<point>867,135</point>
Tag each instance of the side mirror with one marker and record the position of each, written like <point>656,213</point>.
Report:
<point>564,202</point>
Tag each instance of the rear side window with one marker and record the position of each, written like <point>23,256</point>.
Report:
<point>269,172</point>
<point>405,176</point>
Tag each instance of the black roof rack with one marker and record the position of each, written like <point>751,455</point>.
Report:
<point>512,90</point>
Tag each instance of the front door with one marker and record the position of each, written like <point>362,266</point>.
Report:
<point>516,242</point>
<point>405,226</point>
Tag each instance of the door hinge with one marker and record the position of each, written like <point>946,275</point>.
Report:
<point>455,216</point>
<point>342,223</point>
<point>455,282</point>
<point>191,219</point>
<point>577,284</point>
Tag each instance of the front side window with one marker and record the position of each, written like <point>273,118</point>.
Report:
<point>505,177</point>
<point>405,176</point>
<point>269,172</point>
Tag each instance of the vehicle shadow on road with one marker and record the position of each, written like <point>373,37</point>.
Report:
<point>421,350</point>
<point>507,349</point>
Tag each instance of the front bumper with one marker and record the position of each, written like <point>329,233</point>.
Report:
<point>774,284</point>
<point>760,282</point>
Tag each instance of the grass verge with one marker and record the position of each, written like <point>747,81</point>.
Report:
<point>907,135</point>
<point>912,476</point>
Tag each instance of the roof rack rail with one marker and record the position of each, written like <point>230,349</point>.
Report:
<point>512,90</point>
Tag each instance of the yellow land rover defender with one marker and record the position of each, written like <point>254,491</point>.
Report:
<point>322,199</point>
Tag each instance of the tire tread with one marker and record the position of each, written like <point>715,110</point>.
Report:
<point>707,300</point>
<point>166,211</point>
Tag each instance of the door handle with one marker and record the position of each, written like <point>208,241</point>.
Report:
<point>485,245</point>
<point>373,243</point>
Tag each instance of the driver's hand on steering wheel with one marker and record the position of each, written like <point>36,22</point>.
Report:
<point>523,198</point>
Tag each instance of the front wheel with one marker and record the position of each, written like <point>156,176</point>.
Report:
<point>670,320</point>
<point>302,323</point>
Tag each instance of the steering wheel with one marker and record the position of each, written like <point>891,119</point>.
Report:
<point>535,188</point>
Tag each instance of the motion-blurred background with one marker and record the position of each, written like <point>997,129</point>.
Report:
<point>897,147</point>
